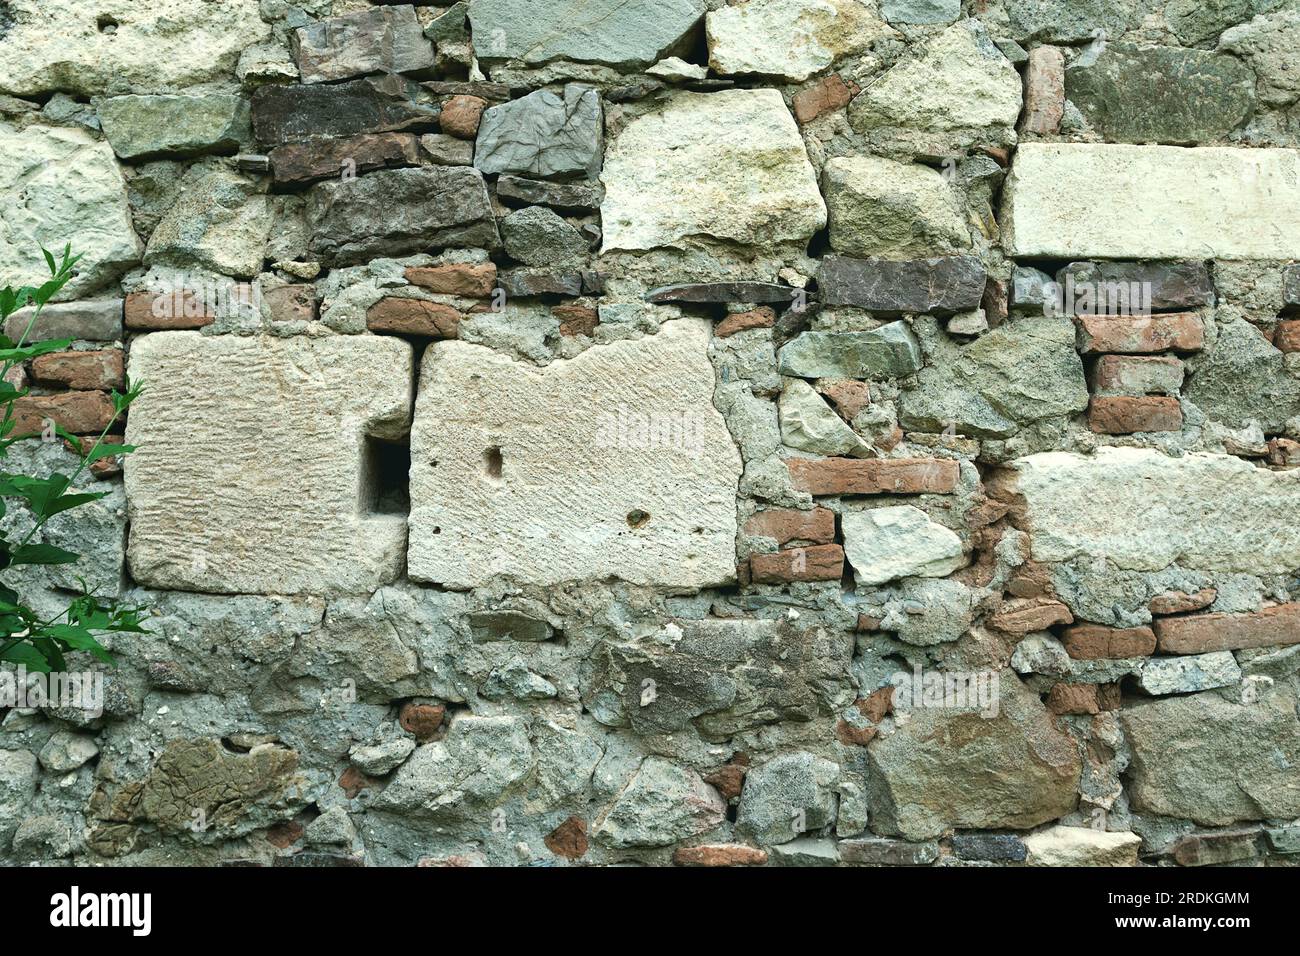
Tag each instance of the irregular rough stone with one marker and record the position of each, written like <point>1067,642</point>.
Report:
<point>1215,761</point>
<point>888,543</point>
<point>830,94</point>
<point>1162,332</point>
<point>59,186</point>
<point>807,423</point>
<point>525,518</point>
<point>1180,602</point>
<point>1029,614</point>
<point>920,12</point>
<point>878,207</point>
<point>386,39</point>
<point>705,292</point>
<point>539,237</point>
<point>569,839</point>
<point>277,511</point>
<point>174,125</point>
<point>1161,94</point>
<point>945,769</point>
<point>1021,372</point>
<point>291,114</point>
<point>305,162</point>
<point>723,677</point>
<point>790,39</point>
<point>662,804</point>
<point>881,851</point>
<point>1187,675</point>
<point>1216,849</point>
<point>1137,375</point>
<point>890,351</point>
<point>1268,43</point>
<point>1279,624</point>
<point>611,32</point>
<point>1069,21</point>
<point>546,134</point>
<point>97,320</point>
<point>153,48</point>
<point>1242,378</point>
<point>221,221</point>
<point>444,150</point>
<point>1044,91</point>
<point>400,211</point>
<point>1085,199</point>
<point>941,285</point>
<point>43,837</point>
<point>461,116</point>
<point>728,165</point>
<point>562,197</point>
<point>993,847</point>
<point>1208,512</point>
<point>958,87</point>
<point>18,775</point>
<point>1081,846</point>
<point>788,796</point>
<point>1162,286</point>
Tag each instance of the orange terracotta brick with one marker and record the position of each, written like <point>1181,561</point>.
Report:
<point>853,476</point>
<point>719,854</point>
<point>472,280</point>
<point>1140,334</point>
<point>1126,414</point>
<point>764,317</point>
<point>99,369</point>
<point>821,562</point>
<point>81,413</point>
<point>413,317</point>
<point>785,525</point>
<point>1021,616</point>
<point>1089,642</point>
<point>1202,633</point>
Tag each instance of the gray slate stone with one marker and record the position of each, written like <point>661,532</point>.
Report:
<point>723,292</point>
<point>1069,21</point>
<point>1291,287</point>
<point>1172,286</point>
<point>1161,94</point>
<point>98,320</point>
<point>387,39</point>
<point>612,32</point>
<point>993,847</point>
<point>175,125</point>
<point>662,804</point>
<point>546,134</point>
<point>920,11</point>
<point>562,197</point>
<point>788,796</point>
<point>537,236</point>
<point>1241,377</point>
<point>486,626</point>
<point>397,212</point>
<point>290,114</point>
<point>881,851</point>
<point>891,351</point>
<point>940,286</point>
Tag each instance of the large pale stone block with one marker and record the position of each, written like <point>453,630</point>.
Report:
<point>611,464</point>
<point>727,165</point>
<point>1143,510</point>
<point>252,471</point>
<point>1152,202</point>
<point>58,186</point>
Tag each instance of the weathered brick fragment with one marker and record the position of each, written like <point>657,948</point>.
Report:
<point>101,369</point>
<point>1086,642</point>
<point>1139,334</point>
<point>851,476</point>
<point>1126,414</point>
<point>413,317</point>
<point>1202,633</point>
<point>821,562</point>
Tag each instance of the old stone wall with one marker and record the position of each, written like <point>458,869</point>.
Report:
<point>669,431</point>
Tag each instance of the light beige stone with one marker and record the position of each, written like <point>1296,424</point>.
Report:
<point>251,473</point>
<point>882,209</point>
<point>610,464</point>
<point>790,39</point>
<point>887,543</point>
<point>728,165</point>
<point>60,186</point>
<point>1152,202</point>
<point>121,46</point>
<point>1082,846</point>
<point>1142,510</point>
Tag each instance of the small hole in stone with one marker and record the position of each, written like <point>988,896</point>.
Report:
<point>386,483</point>
<point>493,463</point>
<point>636,518</point>
<point>106,24</point>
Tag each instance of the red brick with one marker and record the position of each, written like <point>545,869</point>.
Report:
<point>284,835</point>
<point>832,93</point>
<point>472,280</point>
<point>104,467</point>
<point>569,839</point>
<point>1140,334</point>
<point>1127,414</point>
<point>719,854</point>
<point>729,779</point>
<point>784,525</point>
<point>1021,616</point>
<point>178,310</point>
<point>100,369</point>
<point>1073,699</point>
<point>853,476</point>
<point>1031,579</point>
<point>848,396</point>
<point>329,158</point>
<point>290,303</point>
<point>821,562</point>
<point>81,413</point>
<point>1287,335</point>
<point>1044,91</point>
<point>1216,849</point>
<point>764,317</point>
<point>867,623</point>
<point>413,317</point>
<point>1180,602</point>
<point>1109,696</point>
<point>576,319</point>
<point>422,720</point>
<point>353,782</point>
<point>461,115</point>
<point>851,735</point>
<point>877,704</point>
<point>1202,633</point>
<point>1090,642</point>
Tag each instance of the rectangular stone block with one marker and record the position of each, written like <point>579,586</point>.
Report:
<point>938,286</point>
<point>380,40</point>
<point>290,114</point>
<point>1151,202</point>
<point>550,474</point>
<point>1203,633</point>
<point>304,162</point>
<point>254,472</point>
<point>1127,414</point>
<point>98,320</point>
<point>822,562</point>
<point>1144,511</point>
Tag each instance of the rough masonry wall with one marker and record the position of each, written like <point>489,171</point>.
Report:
<point>672,431</point>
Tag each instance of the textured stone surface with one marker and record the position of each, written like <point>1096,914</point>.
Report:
<point>1242,378</point>
<point>607,31</point>
<point>727,165</point>
<point>1187,675</point>
<point>787,797</point>
<point>383,39</point>
<point>878,207</point>
<point>1076,200</point>
<point>888,543</point>
<point>147,126</point>
<point>1082,846</point>
<point>1067,21</point>
<point>528,521</point>
<point>662,804</point>
<point>399,211</point>
<point>1201,757</point>
<point>289,114</point>
<point>277,511</point>
<point>809,424</point>
<point>547,133</point>
<point>940,285</point>
<point>890,351</point>
<point>305,162</point>
<point>59,186</point>
<point>152,48</point>
<point>1214,512</point>
<point>790,39</point>
<point>221,221</point>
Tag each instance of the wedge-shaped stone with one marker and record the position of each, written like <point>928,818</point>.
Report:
<point>728,165</point>
<point>611,464</point>
<point>58,186</point>
<point>1085,199</point>
<point>251,475</point>
<point>1207,512</point>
